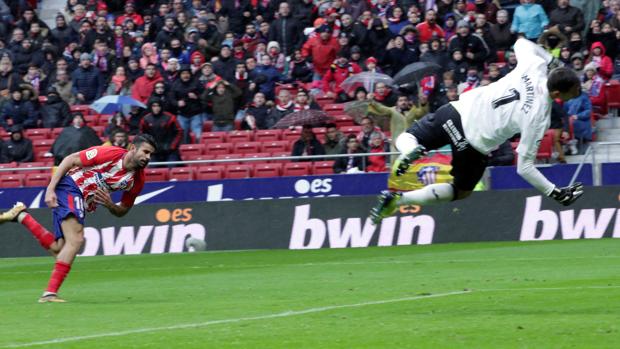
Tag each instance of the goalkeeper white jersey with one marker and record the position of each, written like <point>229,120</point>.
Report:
<point>517,103</point>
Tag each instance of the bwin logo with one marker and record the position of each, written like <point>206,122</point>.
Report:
<point>168,237</point>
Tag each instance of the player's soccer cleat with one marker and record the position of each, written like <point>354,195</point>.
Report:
<point>385,207</point>
<point>11,215</point>
<point>51,298</point>
<point>403,161</point>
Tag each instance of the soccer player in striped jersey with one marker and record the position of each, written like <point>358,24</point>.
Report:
<point>82,181</point>
<point>479,122</point>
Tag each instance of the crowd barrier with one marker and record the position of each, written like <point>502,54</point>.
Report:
<point>334,222</point>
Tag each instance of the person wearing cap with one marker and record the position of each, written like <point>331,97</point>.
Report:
<point>18,111</point>
<point>286,30</point>
<point>88,83</point>
<point>130,13</point>
<point>322,50</point>
<point>336,74</point>
<point>429,28</point>
<point>529,19</point>
<point>576,63</point>
<point>370,65</point>
<point>473,47</point>
<point>185,96</point>
<point>55,112</point>
<point>19,148</point>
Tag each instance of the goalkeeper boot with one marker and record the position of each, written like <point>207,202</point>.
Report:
<point>403,161</point>
<point>385,207</point>
<point>51,298</point>
<point>11,215</point>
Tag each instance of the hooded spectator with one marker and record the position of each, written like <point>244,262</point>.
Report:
<point>78,136</point>
<point>336,75</point>
<point>165,129</point>
<point>55,112</point>
<point>307,145</point>
<point>473,47</point>
<point>149,55</point>
<point>603,63</point>
<point>18,111</point>
<point>19,148</point>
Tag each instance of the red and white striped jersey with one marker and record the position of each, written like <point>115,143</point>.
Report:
<point>102,168</point>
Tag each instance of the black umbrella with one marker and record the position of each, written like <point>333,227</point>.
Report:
<point>415,72</point>
<point>304,117</point>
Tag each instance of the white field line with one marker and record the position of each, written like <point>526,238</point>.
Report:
<point>244,266</point>
<point>231,320</point>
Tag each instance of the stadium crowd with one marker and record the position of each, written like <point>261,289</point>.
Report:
<point>225,62</point>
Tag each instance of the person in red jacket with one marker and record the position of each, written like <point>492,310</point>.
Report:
<point>336,74</point>
<point>144,85</point>
<point>323,49</point>
<point>130,13</point>
<point>429,28</point>
<point>376,163</point>
<point>603,63</point>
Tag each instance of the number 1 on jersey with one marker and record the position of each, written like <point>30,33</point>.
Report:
<point>513,96</point>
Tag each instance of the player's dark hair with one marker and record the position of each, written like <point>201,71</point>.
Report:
<point>562,79</point>
<point>144,138</point>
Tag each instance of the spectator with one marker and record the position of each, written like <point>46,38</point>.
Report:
<point>473,48</point>
<point>222,101</point>
<point>397,21</point>
<point>487,8</point>
<point>376,163</point>
<point>334,140</point>
<point>184,95</point>
<point>165,129</point>
<point>225,64</point>
<point>303,101</point>
<point>502,156</point>
<point>603,63</point>
<point>118,138</point>
<point>576,63</point>
<point>143,87</point>
<point>511,63</point>
<point>74,138</point>
<point>482,28</point>
<point>458,65</point>
<point>436,54</point>
<point>322,49</point>
<point>130,14</point>
<point>429,29</point>
<point>266,76</point>
<point>36,78</point>
<point>19,148</point>
<point>307,145</point>
<point>398,55</point>
<point>18,111</point>
<point>26,54</point>
<point>4,152</point>
<point>87,83</point>
<point>149,55</point>
<point>384,95</point>
<point>500,32</point>
<point>119,83</point>
<point>286,30</point>
<point>363,137</point>
<point>161,92</point>
<point>594,86</point>
<point>552,41</point>
<point>207,78</point>
<point>529,19</point>
<point>63,34</point>
<point>607,36</point>
<point>64,87</point>
<point>116,122</point>
<point>55,112</point>
<point>559,126</point>
<point>257,114</point>
<point>579,110</point>
<point>449,26</point>
<point>566,18</point>
<point>472,81</point>
<point>336,74</point>
<point>351,163</point>
<point>283,107</point>
<point>300,69</point>
<point>277,58</point>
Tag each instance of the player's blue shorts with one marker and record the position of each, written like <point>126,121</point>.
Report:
<point>70,202</point>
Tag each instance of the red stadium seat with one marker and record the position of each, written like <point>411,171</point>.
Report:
<point>56,132</point>
<point>613,96</point>
<point>204,173</point>
<point>343,120</point>
<point>297,169</point>
<point>267,135</point>
<point>38,133</point>
<point>278,154</point>
<point>37,179</point>
<point>323,167</point>
<point>11,180</point>
<point>239,136</point>
<point>229,156</point>
<point>275,146</point>
<point>207,126</point>
<point>213,137</point>
<point>319,131</point>
<point>182,173</point>
<point>82,108</point>
<point>238,171</point>
<point>267,170</point>
<point>41,145</point>
<point>291,133</point>
<point>104,120</point>
<point>546,147</point>
<point>332,107</point>
<point>8,165</point>
<point>501,56</point>
<point>4,134</point>
<point>219,148</point>
<point>92,119</point>
<point>246,147</point>
<point>334,113</point>
<point>33,164</point>
<point>156,174</point>
<point>99,130</point>
<point>191,149</point>
<point>346,130</point>
<point>256,155</point>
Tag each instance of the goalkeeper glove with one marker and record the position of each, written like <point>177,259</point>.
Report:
<point>567,195</point>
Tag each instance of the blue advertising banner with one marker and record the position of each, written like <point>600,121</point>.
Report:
<point>610,173</point>
<point>231,189</point>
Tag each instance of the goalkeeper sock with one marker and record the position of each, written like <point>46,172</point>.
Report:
<point>61,269</point>
<point>429,195</point>
<point>45,238</point>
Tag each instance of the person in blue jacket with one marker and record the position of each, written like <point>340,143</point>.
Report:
<point>529,19</point>
<point>579,110</point>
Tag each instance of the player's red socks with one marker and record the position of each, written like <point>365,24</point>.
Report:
<point>61,269</point>
<point>45,238</point>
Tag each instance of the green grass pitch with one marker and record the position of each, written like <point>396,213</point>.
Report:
<point>560,294</point>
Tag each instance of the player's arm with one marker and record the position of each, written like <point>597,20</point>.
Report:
<point>66,164</point>
<point>103,198</point>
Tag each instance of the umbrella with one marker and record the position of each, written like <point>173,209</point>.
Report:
<point>114,103</point>
<point>415,72</point>
<point>365,79</point>
<point>304,117</point>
